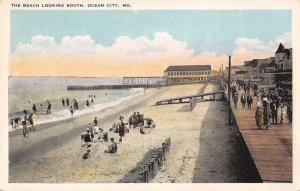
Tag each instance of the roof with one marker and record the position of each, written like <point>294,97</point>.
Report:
<point>263,66</point>
<point>188,68</point>
<point>280,48</point>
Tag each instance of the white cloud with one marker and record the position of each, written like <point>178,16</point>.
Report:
<point>161,47</point>
<point>39,45</point>
<point>81,45</point>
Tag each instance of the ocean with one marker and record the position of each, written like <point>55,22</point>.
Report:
<point>23,92</point>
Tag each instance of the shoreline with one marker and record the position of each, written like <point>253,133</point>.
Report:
<point>65,114</point>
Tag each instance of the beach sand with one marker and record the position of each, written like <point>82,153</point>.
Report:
<point>53,153</point>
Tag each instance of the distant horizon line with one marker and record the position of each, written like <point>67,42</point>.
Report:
<point>86,76</point>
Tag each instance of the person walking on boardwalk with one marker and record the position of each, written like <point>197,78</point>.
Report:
<point>265,111</point>
<point>260,118</point>
<point>249,101</point>
<point>257,118</point>
<point>243,100</point>
<point>34,109</point>
<point>274,112</point>
<point>235,99</point>
<point>122,129</point>
<point>63,102</point>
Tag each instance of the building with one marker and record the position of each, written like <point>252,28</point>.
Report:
<point>283,58</point>
<point>261,70</point>
<point>271,70</point>
<point>188,74</point>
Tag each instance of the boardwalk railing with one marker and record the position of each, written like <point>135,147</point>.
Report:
<point>149,167</point>
<point>186,99</point>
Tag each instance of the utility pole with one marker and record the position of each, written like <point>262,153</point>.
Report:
<point>229,90</point>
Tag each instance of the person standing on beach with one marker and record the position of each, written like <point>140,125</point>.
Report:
<point>122,129</point>
<point>49,107</point>
<point>71,110</point>
<point>30,119</point>
<point>87,103</point>
<point>63,102</point>
<point>134,120</point>
<point>34,109</point>
<point>67,101</point>
<point>76,104</point>
<point>16,120</point>
<point>91,130</point>
<point>95,121</point>
<point>23,120</point>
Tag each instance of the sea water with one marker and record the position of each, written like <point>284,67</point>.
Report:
<point>23,92</point>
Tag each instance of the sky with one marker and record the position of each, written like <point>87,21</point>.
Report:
<point>140,43</point>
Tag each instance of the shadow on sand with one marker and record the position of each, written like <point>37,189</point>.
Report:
<point>223,155</point>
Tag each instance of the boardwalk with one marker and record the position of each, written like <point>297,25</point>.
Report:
<point>270,149</point>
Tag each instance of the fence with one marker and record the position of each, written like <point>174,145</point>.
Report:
<point>149,167</point>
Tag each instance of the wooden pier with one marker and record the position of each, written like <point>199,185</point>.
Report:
<point>143,80</point>
<point>127,83</point>
<point>271,149</point>
<point>186,99</point>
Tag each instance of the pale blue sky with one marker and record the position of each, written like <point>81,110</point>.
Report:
<point>203,30</point>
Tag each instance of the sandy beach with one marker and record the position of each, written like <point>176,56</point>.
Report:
<point>53,153</point>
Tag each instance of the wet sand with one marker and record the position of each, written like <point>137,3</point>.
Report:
<point>53,153</point>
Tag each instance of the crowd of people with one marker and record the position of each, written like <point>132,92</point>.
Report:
<point>94,133</point>
<point>271,104</point>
